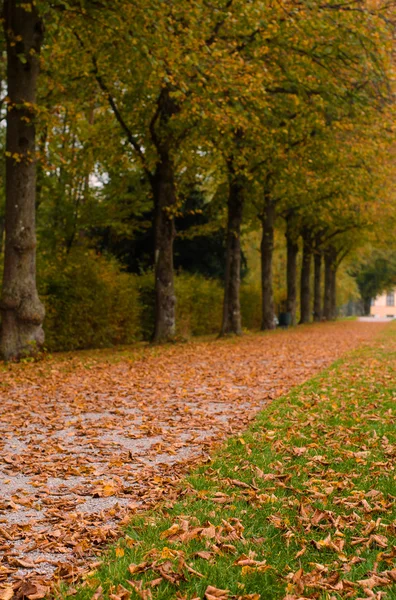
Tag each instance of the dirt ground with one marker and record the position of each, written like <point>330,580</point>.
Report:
<point>88,438</point>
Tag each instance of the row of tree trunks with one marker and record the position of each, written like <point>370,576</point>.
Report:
<point>21,310</point>
<point>232,322</point>
<point>267,251</point>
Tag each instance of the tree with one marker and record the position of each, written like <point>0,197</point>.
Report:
<point>21,310</point>
<point>374,275</point>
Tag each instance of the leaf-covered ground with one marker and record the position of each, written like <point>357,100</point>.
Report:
<point>301,506</point>
<point>88,439</point>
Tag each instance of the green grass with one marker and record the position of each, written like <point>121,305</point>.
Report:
<point>305,500</point>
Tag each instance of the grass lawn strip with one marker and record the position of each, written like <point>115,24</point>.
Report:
<point>301,506</point>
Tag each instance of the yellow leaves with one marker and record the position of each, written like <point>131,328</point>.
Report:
<point>250,565</point>
<point>140,568</point>
<point>175,528</point>
<point>17,157</point>
<point>168,553</point>
<point>105,489</point>
<point>130,542</point>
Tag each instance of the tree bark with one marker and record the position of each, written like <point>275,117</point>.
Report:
<point>2,226</point>
<point>333,293</point>
<point>305,289</point>
<point>317,306</point>
<point>165,202</point>
<point>267,250</point>
<point>21,310</point>
<point>232,322</point>
<point>329,295</point>
<point>164,233</point>
<point>291,268</point>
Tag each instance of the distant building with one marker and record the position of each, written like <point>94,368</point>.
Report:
<point>384,305</point>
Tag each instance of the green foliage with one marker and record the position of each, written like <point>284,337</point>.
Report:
<point>376,274</point>
<point>199,305</point>
<point>251,304</point>
<point>90,302</point>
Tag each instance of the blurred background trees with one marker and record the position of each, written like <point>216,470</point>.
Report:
<point>203,167</point>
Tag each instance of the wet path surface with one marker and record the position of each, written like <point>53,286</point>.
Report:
<point>86,439</point>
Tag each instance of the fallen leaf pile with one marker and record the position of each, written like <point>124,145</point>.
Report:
<point>88,439</point>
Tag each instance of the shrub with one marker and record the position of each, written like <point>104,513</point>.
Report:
<point>199,305</point>
<point>90,302</point>
<point>251,305</point>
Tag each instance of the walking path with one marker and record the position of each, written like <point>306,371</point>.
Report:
<point>88,438</point>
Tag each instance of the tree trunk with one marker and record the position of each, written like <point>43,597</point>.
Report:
<point>367,306</point>
<point>317,307</point>
<point>2,226</point>
<point>333,293</point>
<point>329,297</point>
<point>21,310</point>
<point>232,322</point>
<point>291,269</point>
<point>164,233</point>
<point>267,250</point>
<point>305,290</point>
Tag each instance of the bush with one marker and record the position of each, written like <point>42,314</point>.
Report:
<point>251,305</point>
<point>199,305</point>
<point>90,302</point>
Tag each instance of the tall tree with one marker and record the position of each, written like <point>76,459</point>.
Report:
<point>232,322</point>
<point>21,310</point>
<point>292,236</point>
<point>305,282</point>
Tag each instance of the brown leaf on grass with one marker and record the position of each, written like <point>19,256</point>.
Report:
<point>154,582</point>
<point>167,571</point>
<point>208,532</point>
<point>140,568</point>
<point>204,554</point>
<point>221,498</point>
<point>318,516</point>
<point>378,540</point>
<point>277,521</point>
<point>238,483</point>
<point>249,561</point>
<point>193,571</point>
<point>173,529</point>
<point>98,593</point>
<point>143,593</point>
<point>301,552</point>
<point>213,593</point>
<point>121,593</point>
